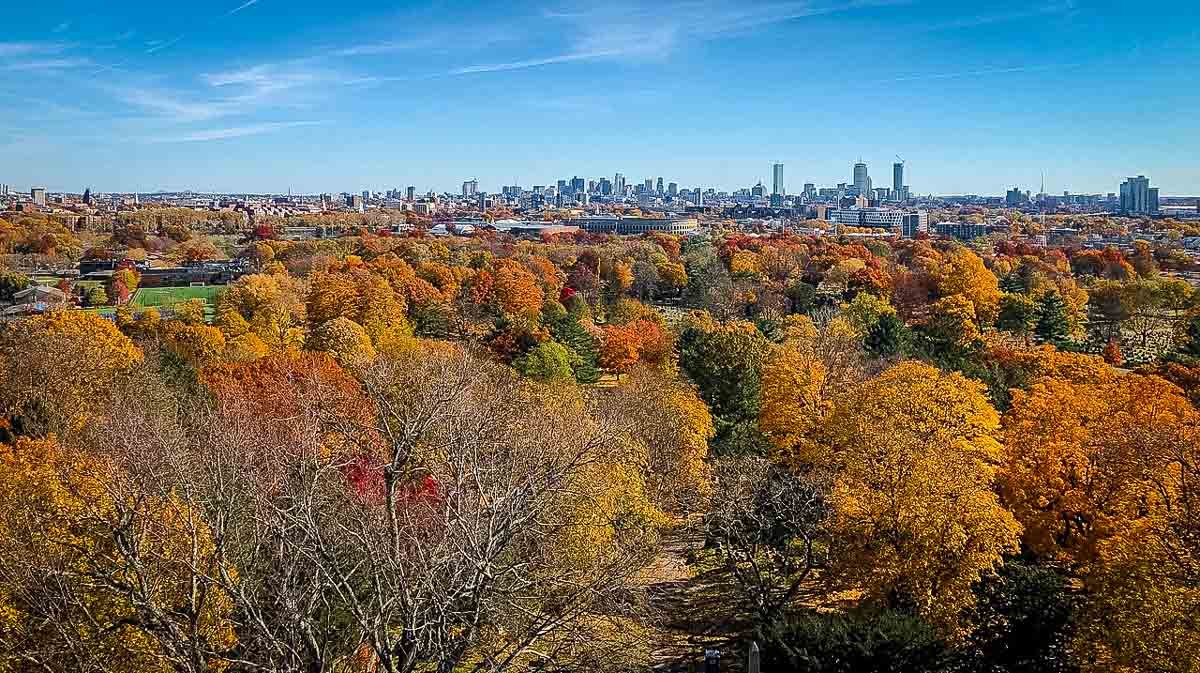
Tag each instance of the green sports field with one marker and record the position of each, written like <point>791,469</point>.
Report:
<point>165,296</point>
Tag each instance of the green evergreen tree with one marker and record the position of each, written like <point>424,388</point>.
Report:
<point>1052,326</point>
<point>1018,314</point>
<point>567,331</point>
<point>888,337</point>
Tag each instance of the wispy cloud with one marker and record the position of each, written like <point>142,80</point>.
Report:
<point>233,132</point>
<point>1002,17</point>
<point>531,63</point>
<point>233,92</point>
<point>438,40</point>
<point>916,77</point>
<point>48,64</point>
<point>39,56</point>
<point>159,45</point>
<point>244,5</point>
<point>655,32</point>
<point>62,27</point>
<point>178,109</point>
<point>11,49</point>
<point>266,78</point>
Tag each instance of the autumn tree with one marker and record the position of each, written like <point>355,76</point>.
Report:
<point>620,348</point>
<point>671,426</point>
<point>1082,457</point>
<point>98,574</point>
<point>962,273</point>
<point>913,453</point>
<point>57,369</point>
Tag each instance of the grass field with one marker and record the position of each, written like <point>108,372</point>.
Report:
<point>165,296</point>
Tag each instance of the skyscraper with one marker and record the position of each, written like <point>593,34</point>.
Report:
<point>38,194</point>
<point>619,184</point>
<point>862,181</point>
<point>898,180</point>
<point>658,186</point>
<point>777,184</point>
<point>1138,197</point>
<point>411,193</point>
<point>673,189</point>
<point>470,187</point>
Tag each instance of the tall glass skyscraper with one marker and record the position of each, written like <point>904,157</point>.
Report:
<point>862,181</point>
<point>777,184</point>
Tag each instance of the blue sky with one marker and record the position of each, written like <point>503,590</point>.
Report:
<point>266,95</point>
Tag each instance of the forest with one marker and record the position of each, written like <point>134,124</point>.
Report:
<point>398,453</point>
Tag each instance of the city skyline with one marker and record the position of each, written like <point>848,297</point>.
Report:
<point>221,99</point>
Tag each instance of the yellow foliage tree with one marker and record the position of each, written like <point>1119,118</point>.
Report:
<point>1083,456</point>
<point>56,369</point>
<point>913,453</point>
<point>962,272</point>
<point>93,574</point>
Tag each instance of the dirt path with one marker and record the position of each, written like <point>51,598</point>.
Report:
<point>694,608</point>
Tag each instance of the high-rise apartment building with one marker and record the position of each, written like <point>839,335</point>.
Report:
<point>777,182</point>
<point>38,194</point>
<point>1138,197</point>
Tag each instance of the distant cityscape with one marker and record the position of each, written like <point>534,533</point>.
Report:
<point>1134,196</point>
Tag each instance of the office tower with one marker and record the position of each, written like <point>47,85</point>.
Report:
<point>483,200</point>
<point>366,195</point>
<point>649,185</point>
<point>470,188</point>
<point>810,190</point>
<point>578,185</point>
<point>38,194</point>
<point>87,195</point>
<point>777,183</point>
<point>619,184</point>
<point>673,189</point>
<point>411,193</point>
<point>1138,197</point>
<point>862,181</point>
<point>658,187</point>
<point>699,197</point>
<point>898,179</point>
<point>758,190</point>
